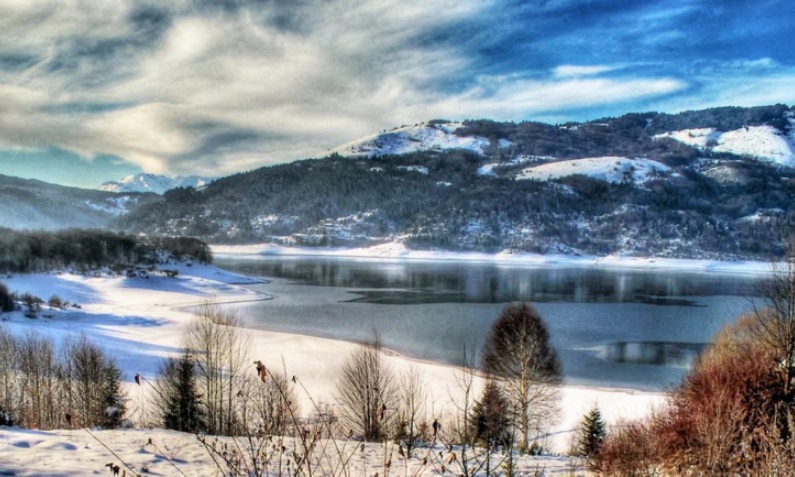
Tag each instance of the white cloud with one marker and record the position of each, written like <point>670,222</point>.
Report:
<point>218,92</point>
<point>529,97</point>
<point>572,71</point>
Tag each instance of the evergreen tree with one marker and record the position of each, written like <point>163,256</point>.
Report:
<point>181,403</point>
<point>113,398</point>
<point>592,433</point>
<point>490,420</point>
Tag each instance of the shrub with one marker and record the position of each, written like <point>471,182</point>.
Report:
<point>6,300</point>
<point>56,302</point>
<point>730,416</point>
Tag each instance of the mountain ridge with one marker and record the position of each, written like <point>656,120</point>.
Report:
<point>630,190</point>
<point>155,183</point>
<point>642,184</point>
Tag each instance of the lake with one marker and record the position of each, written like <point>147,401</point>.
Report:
<point>621,328</point>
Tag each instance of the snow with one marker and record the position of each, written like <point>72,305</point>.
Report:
<point>80,452</point>
<point>760,142</point>
<point>419,169</point>
<point>699,138</point>
<point>765,143</point>
<point>409,139</point>
<point>609,169</point>
<point>112,205</point>
<point>153,183</point>
<point>488,169</point>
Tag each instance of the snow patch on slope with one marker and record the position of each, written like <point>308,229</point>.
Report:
<point>153,183</point>
<point>116,206</point>
<point>409,139</point>
<point>609,169</point>
<point>699,138</point>
<point>760,142</point>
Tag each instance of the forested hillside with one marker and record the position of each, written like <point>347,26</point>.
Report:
<point>641,184</point>
<point>32,204</point>
<point>39,251</point>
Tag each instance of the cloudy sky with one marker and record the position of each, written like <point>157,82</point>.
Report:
<point>92,90</point>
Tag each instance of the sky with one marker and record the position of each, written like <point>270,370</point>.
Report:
<point>93,90</point>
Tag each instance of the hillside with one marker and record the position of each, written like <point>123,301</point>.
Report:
<point>716,183</point>
<point>32,204</point>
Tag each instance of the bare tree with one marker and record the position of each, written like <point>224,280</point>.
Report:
<point>38,386</point>
<point>82,369</point>
<point>518,353</point>
<point>775,323</point>
<point>8,376</point>
<point>366,392</point>
<point>222,350</point>
<point>412,398</point>
<point>274,403</point>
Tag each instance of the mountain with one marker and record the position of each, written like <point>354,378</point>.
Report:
<point>715,183</point>
<point>153,183</point>
<point>32,204</point>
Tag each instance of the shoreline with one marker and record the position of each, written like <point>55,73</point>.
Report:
<point>396,251</point>
<point>139,321</point>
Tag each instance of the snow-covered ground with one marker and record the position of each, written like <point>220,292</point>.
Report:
<point>408,139</point>
<point>139,321</point>
<point>155,452</point>
<point>760,142</point>
<point>398,251</point>
<point>608,169</point>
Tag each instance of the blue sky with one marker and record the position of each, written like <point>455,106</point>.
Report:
<point>92,91</point>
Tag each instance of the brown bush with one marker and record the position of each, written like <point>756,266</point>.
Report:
<point>730,416</point>
<point>629,451</point>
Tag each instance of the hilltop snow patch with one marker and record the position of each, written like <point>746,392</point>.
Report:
<point>765,143</point>
<point>609,169</point>
<point>409,139</point>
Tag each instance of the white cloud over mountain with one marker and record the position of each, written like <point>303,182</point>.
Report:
<point>212,88</point>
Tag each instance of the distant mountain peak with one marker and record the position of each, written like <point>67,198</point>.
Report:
<point>158,184</point>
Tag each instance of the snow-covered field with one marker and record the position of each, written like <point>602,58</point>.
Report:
<point>139,321</point>
<point>608,169</point>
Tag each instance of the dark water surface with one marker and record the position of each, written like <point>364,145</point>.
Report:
<point>625,328</point>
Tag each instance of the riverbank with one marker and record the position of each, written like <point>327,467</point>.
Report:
<point>398,251</point>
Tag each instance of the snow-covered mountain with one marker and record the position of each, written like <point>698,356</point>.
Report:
<point>432,136</point>
<point>153,183</point>
<point>32,204</point>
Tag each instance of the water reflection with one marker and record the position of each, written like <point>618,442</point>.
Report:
<point>625,328</point>
<point>654,352</point>
<point>455,282</point>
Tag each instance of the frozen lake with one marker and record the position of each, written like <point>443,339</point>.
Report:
<point>623,328</point>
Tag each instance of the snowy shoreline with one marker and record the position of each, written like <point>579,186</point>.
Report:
<point>139,322</point>
<point>398,251</point>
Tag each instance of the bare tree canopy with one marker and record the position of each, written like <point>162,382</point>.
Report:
<point>775,323</point>
<point>518,354</point>
<point>221,350</point>
<point>366,392</point>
